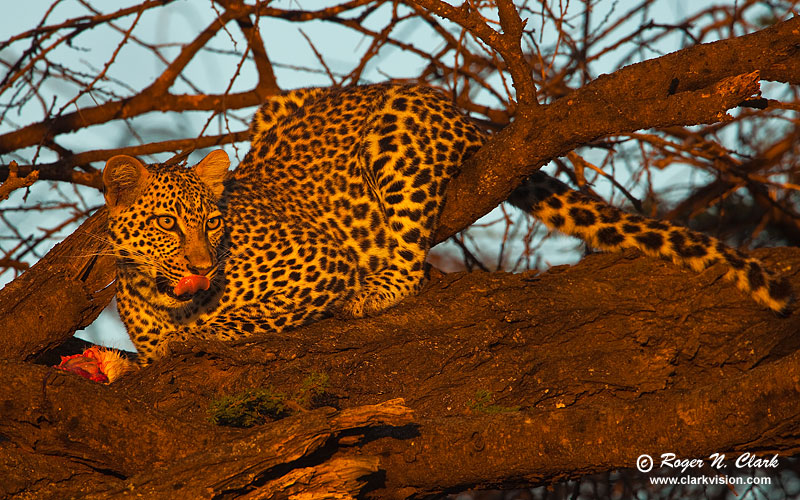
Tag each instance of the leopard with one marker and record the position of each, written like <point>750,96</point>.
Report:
<point>333,211</point>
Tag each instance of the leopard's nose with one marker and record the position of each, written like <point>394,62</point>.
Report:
<point>198,253</point>
<point>199,262</point>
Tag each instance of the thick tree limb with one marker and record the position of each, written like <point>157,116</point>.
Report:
<point>712,78</point>
<point>64,291</point>
<point>587,367</point>
<point>64,416</point>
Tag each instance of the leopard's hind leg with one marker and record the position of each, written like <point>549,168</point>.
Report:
<point>415,143</point>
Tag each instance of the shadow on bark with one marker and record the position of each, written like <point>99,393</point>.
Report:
<point>520,379</point>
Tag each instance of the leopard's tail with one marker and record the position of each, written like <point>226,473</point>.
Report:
<point>608,228</point>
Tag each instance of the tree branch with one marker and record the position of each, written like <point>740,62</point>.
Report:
<point>649,357</point>
<point>14,181</point>
<point>64,291</point>
<point>713,78</point>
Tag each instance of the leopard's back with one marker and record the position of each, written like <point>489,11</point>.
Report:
<point>364,170</point>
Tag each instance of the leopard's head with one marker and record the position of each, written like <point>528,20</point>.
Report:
<point>165,226</point>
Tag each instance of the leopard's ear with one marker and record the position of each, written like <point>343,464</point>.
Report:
<point>123,177</point>
<point>212,170</point>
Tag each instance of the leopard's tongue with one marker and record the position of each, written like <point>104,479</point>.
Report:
<point>191,284</point>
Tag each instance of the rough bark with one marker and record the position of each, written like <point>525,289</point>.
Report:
<point>588,367</point>
<point>64,291</point>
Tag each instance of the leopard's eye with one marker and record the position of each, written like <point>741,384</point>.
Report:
<point>166,222</point>
<point>214,222</point>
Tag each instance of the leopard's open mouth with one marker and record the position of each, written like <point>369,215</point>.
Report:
<point>186,288</point>
<point>163,285</point>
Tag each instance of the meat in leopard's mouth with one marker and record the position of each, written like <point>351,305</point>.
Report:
<point>186,289</point>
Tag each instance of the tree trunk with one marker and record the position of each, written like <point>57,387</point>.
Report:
<point>521,379</point>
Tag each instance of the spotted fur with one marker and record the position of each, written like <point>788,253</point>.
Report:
<point>333,211</point>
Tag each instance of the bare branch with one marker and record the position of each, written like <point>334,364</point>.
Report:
<point>14,182</point>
